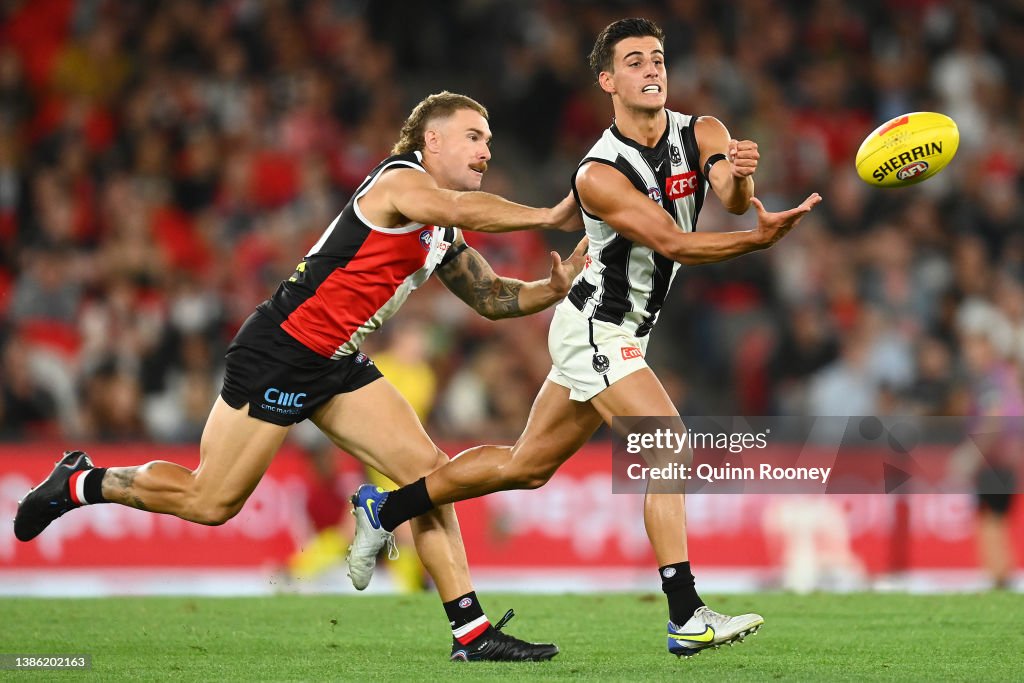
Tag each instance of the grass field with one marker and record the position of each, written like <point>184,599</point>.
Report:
<point>602,637</point>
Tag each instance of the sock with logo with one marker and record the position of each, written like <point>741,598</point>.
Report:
<point>467,618</point>
<point>86,487</point>
<point>677,582</point>
<point>404,504</point>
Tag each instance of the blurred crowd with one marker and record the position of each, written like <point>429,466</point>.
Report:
<point>164,165</point>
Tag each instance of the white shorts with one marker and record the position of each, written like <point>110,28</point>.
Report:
<point>588,356</point>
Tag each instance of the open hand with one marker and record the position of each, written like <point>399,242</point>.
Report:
<point>564,272</point>
<point>772,227</point>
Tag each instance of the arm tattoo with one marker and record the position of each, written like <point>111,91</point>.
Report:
<point>471,279</point>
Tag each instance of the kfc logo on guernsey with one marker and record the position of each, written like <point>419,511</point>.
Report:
<point>681,185</point>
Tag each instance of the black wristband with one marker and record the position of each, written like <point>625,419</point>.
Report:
<point>712,160</point>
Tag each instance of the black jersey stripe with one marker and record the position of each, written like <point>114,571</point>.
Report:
<point>626,168</point>
<point>615,296</point>
<point>692,152</point>
<point>661,280</point>
<point>658,161</point>
<point>580,293</point>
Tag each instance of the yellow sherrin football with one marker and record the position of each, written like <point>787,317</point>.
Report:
<point>907,149</point>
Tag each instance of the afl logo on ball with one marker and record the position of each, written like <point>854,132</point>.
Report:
<point>601,363</point>
<point>912,170</point>
<point>426,237</point>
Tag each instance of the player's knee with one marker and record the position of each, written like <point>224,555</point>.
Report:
<point>408,471</point>
<point>212,512</point>
<point>440,460</point>
<point>215,515</point>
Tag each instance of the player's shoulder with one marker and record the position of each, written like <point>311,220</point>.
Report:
<point>595,177</point>
<point>709,126</point>
<point>412,159</point>
<point>401,170</point>
<point>679,119</point>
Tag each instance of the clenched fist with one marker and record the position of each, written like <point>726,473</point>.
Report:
<point>743,156</point>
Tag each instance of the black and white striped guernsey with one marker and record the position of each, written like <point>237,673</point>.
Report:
<point>626,283</point>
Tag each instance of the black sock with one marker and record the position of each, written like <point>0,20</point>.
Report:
<point>404,504</point>
<point>677,582</point>
<point>86,487</point>
<point>466,617</point>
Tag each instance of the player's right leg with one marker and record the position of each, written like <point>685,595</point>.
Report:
<point>379,427</point>
<point>692,626</point>
<point>235,451</point>
<point>555,429</point>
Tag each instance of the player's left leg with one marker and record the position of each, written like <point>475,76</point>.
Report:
<point>995,542</point>
<point>379,427</point>
<point>692,626</point>
<point>234,452</point>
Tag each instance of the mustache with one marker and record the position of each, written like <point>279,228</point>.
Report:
<point>481,167</point>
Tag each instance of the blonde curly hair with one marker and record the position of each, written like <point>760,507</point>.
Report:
<point>437,106</point>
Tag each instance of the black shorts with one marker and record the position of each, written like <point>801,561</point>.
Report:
<point>996,486</point>
<point>283,381</point>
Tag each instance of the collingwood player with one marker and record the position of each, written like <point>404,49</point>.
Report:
<point>640,189</point>
<point>297,357</point>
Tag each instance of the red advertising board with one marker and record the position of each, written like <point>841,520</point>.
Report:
<point>573,522</point>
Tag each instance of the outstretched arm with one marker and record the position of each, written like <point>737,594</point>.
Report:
<point>470,277</point>
<point>606,193</point>
<point>404,194</point>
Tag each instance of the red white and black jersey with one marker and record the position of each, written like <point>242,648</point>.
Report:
<point>358,274</point>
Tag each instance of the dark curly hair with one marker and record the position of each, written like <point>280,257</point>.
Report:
<point>604,47</point>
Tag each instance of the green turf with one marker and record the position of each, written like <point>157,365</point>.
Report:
<point>603,637</point>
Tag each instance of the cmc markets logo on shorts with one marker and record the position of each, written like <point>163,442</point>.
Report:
<point>465,602</point>
<point>426,237</point>
<point>281,401</point>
